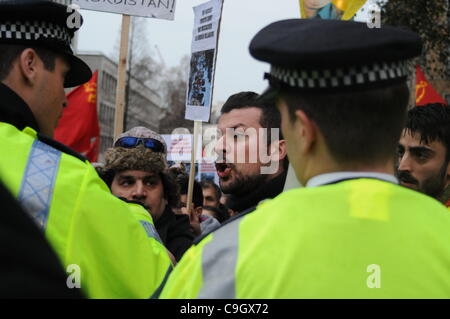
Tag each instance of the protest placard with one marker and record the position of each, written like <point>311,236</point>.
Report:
<point>203,58</point>
<point>330,9</point>
<point>179,147</point>
<point>159,9</point>
<point>207,171</point>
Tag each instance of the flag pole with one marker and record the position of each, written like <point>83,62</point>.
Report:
<point>121,76</point>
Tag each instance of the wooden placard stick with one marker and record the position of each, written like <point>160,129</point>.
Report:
<point>121,76</point>
<point>197,129</point>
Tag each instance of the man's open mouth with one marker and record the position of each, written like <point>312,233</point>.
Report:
<point>407,182</point>
<point>223,169</point>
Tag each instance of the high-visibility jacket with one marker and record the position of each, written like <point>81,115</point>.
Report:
<point>113,245</point>
<point>361,238</point>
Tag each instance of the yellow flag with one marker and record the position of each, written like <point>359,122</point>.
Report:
<point>330,9</point>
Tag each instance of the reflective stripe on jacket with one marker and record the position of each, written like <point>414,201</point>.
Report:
<point>114,243</point>
<point>361,238</point>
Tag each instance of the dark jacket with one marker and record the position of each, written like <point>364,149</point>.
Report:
<point>29,267</point>
<point>14,110</point>
<point>244,205</point>
<point>175,232</point>
<point>271,189</point>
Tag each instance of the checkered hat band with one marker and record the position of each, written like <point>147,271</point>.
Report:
<point>34,30</point>
<point>342,77</point>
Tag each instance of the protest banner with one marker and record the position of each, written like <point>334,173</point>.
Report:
<point>425,93</point>
<point>159,9</point>
<point>207,171</point>
<point>207,18</point>
<point>78,127</point>
<point>330,9</point>
<point>203,60</point>
<point>179,147</point>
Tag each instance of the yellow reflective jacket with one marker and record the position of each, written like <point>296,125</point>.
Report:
<point>361,238</point>
<point>114,244</point>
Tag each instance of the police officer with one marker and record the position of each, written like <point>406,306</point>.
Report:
<point>111,244</point>
<point>352,232</point>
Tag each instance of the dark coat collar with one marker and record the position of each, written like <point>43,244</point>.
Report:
<point>270,189</point>
<point>14,110</point>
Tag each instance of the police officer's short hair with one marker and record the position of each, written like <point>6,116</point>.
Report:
<point>10,52</point>
<point>351,82</point>
<point>375,120</point>
<point>432,123</point>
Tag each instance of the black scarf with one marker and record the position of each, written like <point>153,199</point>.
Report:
<point>14,110</point>
<point>269,189</point>
<point>175,232</point>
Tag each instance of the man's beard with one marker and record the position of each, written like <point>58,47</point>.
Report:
<point>432,186</point>
<point>243,185</point>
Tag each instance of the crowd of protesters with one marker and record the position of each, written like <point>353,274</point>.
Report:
<point>129,227</point>
<point>136,169</point>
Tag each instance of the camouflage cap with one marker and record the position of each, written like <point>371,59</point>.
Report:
<point>136,158</point>
<point>143,132</point>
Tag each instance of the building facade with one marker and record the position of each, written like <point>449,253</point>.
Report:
<point>142,109</point>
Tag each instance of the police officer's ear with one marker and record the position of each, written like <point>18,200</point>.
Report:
<point>29,65</point>
<point>306,131</point>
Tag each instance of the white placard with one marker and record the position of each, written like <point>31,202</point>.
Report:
<point>159,9</point>
<point>203,60</point>
<point>207,171</point>
<point>179,147</point>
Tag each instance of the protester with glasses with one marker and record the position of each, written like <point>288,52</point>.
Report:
<point>156,145</point>
<point>136,170</point>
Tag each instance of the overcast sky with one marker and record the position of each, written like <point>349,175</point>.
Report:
<point>241,20</point>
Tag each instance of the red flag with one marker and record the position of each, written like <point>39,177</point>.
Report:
<point>425,93</point>
<point>78,127</point>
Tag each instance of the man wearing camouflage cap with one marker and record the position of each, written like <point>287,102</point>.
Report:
<point>136,170</point>
<point>108,242</point>
<point>352,232</point>
<point>150,139</point>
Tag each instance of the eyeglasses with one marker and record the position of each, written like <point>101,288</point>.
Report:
<point>151,143</point>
